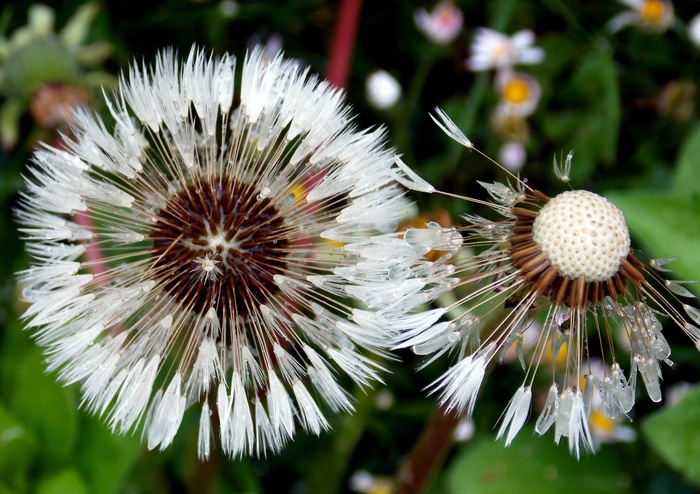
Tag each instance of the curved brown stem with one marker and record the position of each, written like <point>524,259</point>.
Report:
<point>428,453</point>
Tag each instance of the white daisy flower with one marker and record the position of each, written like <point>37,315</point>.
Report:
<point>442,24</point>
<point>493,50</point>
<point>566,260</point>
<point>513,155</point>
<point>519,94</point>
<point>364,482</point>
<point>654,16</point>
<point>192,253</point>
<point>694,30</point>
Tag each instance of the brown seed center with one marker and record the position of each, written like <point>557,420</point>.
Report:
<point>217,244</point>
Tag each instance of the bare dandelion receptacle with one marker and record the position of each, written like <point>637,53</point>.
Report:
<point>553,281</point>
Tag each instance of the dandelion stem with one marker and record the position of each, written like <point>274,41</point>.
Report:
<point>204,476</point>
<point>429,452</point>
<point>343,42</point>
<point>327,480</point>
<point>402,126</point>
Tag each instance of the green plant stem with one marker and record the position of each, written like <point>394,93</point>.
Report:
<point>403,123</point>
<point>466,119</point>
<point>429,452</point>
<point>328,479</point>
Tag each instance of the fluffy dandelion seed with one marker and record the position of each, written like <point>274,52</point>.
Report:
<point>566,260</point>
<point>226,222</point>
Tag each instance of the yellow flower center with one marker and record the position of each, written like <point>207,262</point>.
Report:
<point>516,91</point>
<point>652,11</point>
<point>600,422</point>
<point>560,358</point>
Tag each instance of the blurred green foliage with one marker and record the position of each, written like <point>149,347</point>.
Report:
<point>625,103</point>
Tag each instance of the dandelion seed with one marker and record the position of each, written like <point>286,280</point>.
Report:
<point>213,209</point>
<point>568,261</point>
<point>207,268</point>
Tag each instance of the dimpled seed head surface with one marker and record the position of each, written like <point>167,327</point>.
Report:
<point>583,234</point>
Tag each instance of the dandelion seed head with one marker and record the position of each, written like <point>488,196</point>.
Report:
<point>556,278</point>
<point>182,256</point>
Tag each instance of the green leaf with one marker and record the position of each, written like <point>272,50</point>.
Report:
<point>560,52</point>
<point>590,123</point>
<point>666,224</point>
<point>17,450</point>
<point>488,467</point>
<point>64,482</point>
<point>596,79</point>
<point>673,432</point>
<point>14,346</point>
<point>105,458</point>
<point>686,179</point>
<point>47,407</point>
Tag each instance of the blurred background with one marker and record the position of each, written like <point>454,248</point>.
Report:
<point>617,84</point>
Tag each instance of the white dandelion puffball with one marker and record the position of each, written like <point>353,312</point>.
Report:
<point>199,252</point>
